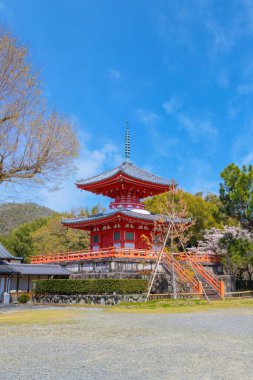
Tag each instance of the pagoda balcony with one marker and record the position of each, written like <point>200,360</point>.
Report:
<point>122,253</point>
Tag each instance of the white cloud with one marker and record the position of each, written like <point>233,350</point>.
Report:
<point>222,39</point>
<point>147,117</point>
<point>115,74</point>
<point>67,197</point>
<point>245,88</point>
<point>172,105</point>
<point>197,126</point>
<point>90,163</point>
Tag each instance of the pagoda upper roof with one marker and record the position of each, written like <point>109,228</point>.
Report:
<point>131,171</point>
<point>127,173</point>
<point>123,214</point>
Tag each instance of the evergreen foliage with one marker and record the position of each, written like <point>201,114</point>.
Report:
<point>205,212</point>
<point>91,286</point>
<point>53,237</point>
<point>236,194</point>
<point>47,235</point>
<point>13,215</point>
<point>19,242</point>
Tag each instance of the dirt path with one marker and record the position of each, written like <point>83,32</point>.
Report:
<point>96,344</point>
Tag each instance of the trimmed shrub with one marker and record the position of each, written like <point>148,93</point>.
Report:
<point>23,298</point>
<point>91,286</point>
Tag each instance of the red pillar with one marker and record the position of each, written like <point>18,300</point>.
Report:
<point>222,289</point>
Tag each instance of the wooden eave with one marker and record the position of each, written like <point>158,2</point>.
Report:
<point>121,181</point>
<point>118,217</point>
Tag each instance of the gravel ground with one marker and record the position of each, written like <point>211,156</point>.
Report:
<point>102,345</point>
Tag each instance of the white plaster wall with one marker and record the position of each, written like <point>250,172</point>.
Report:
<point>23,282</point>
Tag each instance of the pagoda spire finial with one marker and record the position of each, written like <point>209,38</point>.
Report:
<point>127,144</point>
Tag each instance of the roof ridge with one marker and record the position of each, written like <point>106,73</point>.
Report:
<point>129,169</point>
<point>97,175</point>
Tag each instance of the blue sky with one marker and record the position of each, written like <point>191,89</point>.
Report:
<point>180,72</point>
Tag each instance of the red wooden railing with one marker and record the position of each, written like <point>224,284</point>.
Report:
<point>119,252</point>
<point>91,255</point>
<point>184,274</point>
<point>199,257</point>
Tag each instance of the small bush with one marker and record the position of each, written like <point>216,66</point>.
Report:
<point>91,286</point>
<point>23,298</point>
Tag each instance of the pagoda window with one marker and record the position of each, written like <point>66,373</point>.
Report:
<point>116,235</point>
<point>95,239</point>
<point>129,236</point>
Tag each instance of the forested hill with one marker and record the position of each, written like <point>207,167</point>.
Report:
<point>14,214</point>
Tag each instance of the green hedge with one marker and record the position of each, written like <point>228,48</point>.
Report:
<point>91,286</point>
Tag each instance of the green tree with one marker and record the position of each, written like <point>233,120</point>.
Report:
<point>237,254</point>
<point>236,194</point>
<point>19,242</point>
<point>53,237</point>
<point>205,213</point>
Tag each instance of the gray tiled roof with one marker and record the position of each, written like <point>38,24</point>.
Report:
<point>130,170</point>
<point>4,254</point>
<point>5,269</point>
<point>123,212</point>
<point>39,269</point>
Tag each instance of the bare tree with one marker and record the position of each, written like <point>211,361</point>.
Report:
<point>174,207</point>
<point>33,142</point>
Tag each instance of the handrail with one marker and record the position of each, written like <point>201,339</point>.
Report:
<point>149,255</point>
<point>76,256</point>
<point>211,279</point>
<point>182,273</point>
<point>198,257</point>
<point>117,253</point>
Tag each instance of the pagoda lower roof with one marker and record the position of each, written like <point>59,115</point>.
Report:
<point>128,172</point>
<point>124,214</point>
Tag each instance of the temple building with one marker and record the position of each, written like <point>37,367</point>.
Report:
<point>123,240</point>
<point>126,224</point>
<point>17,277</point>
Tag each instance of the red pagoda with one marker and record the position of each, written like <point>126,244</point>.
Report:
<point>123,239</point>
<point>126,224</point>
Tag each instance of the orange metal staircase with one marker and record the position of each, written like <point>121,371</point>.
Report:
<point>199,279</point>
<point>183,274</point>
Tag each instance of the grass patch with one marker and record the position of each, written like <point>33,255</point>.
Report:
<point>180,306</point>
<point>68,314</point>
<point>39,317</point>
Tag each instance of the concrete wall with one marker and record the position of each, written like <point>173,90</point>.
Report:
<point>107,266</point>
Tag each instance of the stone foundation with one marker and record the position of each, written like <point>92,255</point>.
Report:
<point>101,299</point>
